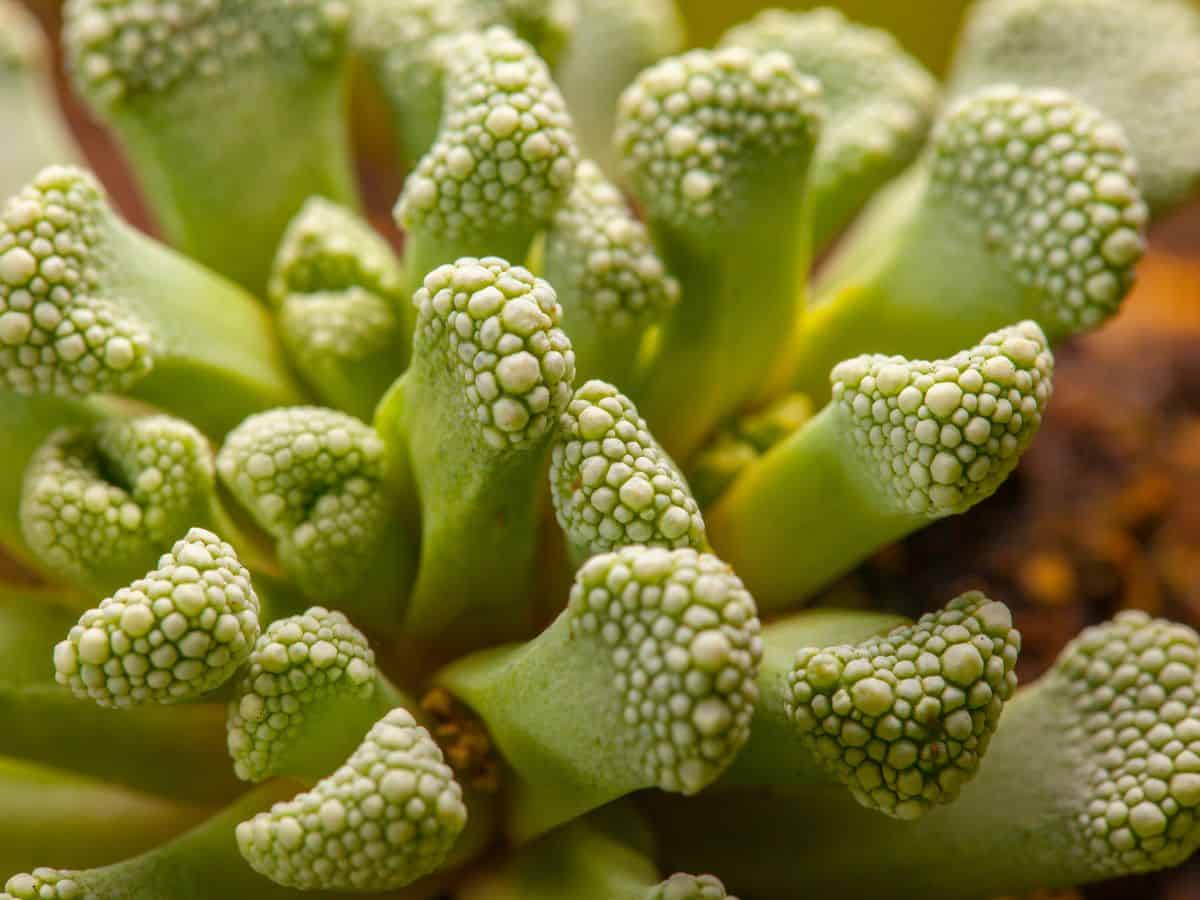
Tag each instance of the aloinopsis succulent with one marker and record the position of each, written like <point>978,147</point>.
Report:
<point>481,567</point>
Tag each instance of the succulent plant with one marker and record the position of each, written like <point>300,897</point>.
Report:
<point>475,565</point>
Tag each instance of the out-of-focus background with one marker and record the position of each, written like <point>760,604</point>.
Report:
<point>1104,512</point>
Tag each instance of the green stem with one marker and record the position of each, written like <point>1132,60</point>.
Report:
<point>895,300</point>
<point>176,751</point>
<point>324,742</point>
<point>711,353</point>
<point>723,174</point>
<point>471,422</point>
<point>83,821</point>
<point>220,359</point>
<point>857,253</point>
<point>618,695</point>
<point>878,103</point>
<point>279,144</point>
<point>476,569</point>
<point>35,133</point>
<point>596,858</point>
<point>983,233</point>
<point>803,515</point>
<point>610,43</point>
<point>549,707</point>
<point>201,864</point>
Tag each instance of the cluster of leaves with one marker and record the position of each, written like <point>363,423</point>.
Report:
<point>284,491</point>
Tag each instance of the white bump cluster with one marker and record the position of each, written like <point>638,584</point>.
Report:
<point>683,636</point>
<point>21,42</point>
<point>691,126</point>
<point>311,478</point>
<point>172,636</point>
<point>297,663</point>
<point>1051,185</point>
<point>612,484</point>
<point>904,719</point>
<point>494,328</point>
<point>505,158</point>
<point>944,435</point>
<point>337,284</point>
<point>1133,689</point>
<point>1136,62</point>
<point>690,887</point>
<point>327,248</point>
<point>351,325</point>
<point>119,49</point>
<point>103,503</point>
<point>597,247</point>
<point>879,101</point>
<point>45,884</point>
<point>384,819</point>
<point>59,331</point>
